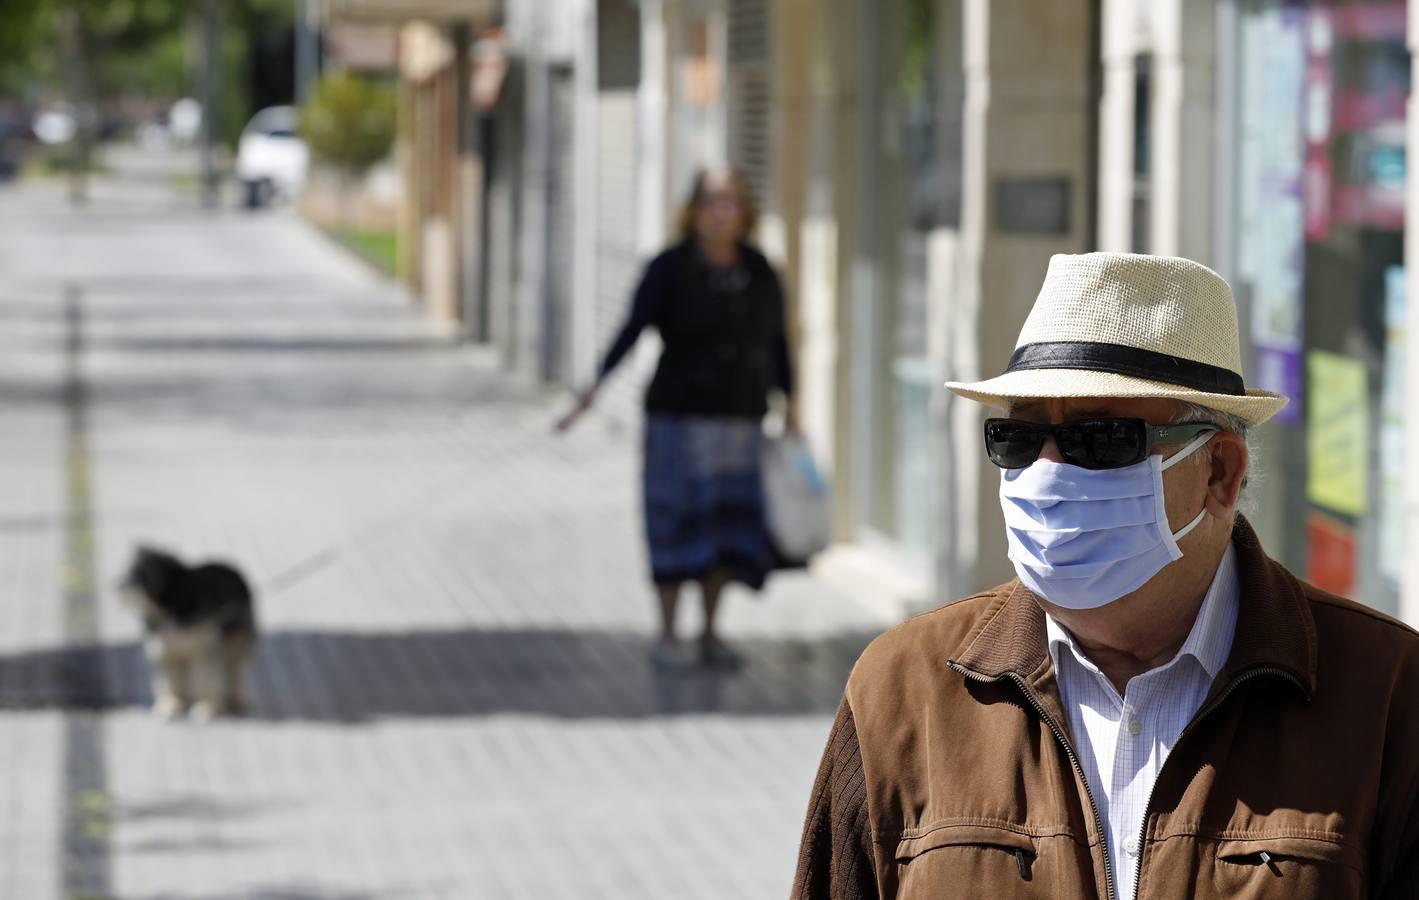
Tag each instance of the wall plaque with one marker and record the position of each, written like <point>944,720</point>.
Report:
<point>1032,205</point>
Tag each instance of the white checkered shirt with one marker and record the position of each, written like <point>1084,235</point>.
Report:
<point>1122,741</point>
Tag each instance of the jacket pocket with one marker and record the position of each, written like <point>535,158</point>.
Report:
<point>949,857</point>
<point>1293,868</point>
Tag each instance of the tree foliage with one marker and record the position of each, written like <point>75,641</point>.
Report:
<point>22,28</point>
<point>120,40</point>
<point>350,121</point>
<point>108,32</point>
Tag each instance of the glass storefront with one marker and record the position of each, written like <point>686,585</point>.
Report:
<point>1320,163</point>
<point>906,141</point>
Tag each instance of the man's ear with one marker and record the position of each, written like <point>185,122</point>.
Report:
<point>1229,462</point>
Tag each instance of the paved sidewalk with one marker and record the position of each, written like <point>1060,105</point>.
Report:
<point>452,698</point>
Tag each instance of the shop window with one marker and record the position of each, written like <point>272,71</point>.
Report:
<point>1321,164</point>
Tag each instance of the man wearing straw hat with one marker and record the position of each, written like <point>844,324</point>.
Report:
<point>1154,708</point>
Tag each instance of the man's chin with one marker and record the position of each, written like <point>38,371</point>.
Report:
<point>1113,613</point>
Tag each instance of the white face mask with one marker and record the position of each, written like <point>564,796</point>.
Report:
<point>1083,538</point>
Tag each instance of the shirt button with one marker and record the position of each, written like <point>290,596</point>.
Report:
<point>1134,727</point>
<point>1130,846</point>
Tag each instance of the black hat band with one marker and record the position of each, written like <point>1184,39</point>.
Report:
<point>1132,361</point>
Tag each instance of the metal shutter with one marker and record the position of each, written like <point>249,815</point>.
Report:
<point>561,209</point>
<point>748,96</point>
<point>618,262</point>
<point>504,203</point>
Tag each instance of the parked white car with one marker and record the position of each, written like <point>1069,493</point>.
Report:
<point>272,160</point>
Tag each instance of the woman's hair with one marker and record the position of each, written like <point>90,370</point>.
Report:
<point>701,188</point>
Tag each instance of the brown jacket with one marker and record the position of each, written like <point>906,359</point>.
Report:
<point>950,773</point>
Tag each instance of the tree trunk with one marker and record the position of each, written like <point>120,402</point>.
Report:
<point>71,50</point>
<point>211,99</point>
<point>347,183</point>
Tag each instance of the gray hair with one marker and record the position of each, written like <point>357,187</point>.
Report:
<point>1197,413</point>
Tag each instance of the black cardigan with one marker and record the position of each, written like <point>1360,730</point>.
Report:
<point>724,343</point>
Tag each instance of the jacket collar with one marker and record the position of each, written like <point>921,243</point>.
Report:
<point>1275,629</point>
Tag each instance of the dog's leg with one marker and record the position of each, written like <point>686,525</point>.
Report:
<point>209,683</point>
<point>184,678</point>
<point>167,676</point>
<point>236,650</point>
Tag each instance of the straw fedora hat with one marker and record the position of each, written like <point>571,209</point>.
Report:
<point>1129,325</point>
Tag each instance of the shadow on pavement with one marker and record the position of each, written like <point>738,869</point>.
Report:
<point>189,807</point>
<point>284,893</point>
<point>370,379</point>
<point>306,344</point>
<point>174,847</point>
<point>352,677</point>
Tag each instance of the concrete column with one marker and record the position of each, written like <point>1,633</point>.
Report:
<point>583,308</point>
<point>792,35</point>
<point>679,145</point>
<point>1119,51</point>
<point>850,53</point>
<point>525,351</point>
<point>1184,44</point>
<point>1224,163</point>
<point>406,152</point>
<point>651,122</point>
<point>860,320</point>
<point>817,316</point>
<point>947,346</point>
<point>468,185</point>
<point>717,133</point>
<point>1025,133</point>
<point>1409,586</point>
<point>440,236</point>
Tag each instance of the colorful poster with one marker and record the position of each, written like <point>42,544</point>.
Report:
<point>1337,433</point>
<point>1279,370</point>
<point>1330,554</point>
<point>1391,430</point>
<point>1320,42</point>
<point>1271,232</point>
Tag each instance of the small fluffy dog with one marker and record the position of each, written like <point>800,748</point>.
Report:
<point>201,630</point>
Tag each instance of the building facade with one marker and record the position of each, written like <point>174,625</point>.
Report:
<point>918,161</point>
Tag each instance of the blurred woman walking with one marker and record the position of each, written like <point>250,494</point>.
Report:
<point>719,309</point>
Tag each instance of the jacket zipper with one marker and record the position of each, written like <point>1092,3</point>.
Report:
<point>1212,707</point>
<point>1073,759</point>
<point>1089,794</point>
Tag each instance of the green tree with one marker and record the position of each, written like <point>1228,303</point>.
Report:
<point>22,23</point>
<point>117,38</point>
<point>92,51</point>
<point>82,47</point>
<point>350,122</point>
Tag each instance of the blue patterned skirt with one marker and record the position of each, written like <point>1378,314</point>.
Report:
<point>704,502</point>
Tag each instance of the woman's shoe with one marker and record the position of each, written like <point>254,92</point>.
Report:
<point>670,656</point>
<point>716,654</point>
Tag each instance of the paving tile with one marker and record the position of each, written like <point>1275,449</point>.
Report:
<point>452,695</point>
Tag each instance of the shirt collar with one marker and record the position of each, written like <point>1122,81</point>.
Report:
<point>1210,640</point>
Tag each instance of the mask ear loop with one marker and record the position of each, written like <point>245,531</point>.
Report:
<point>1190,525</point>
<point>1182,454</point>
<point>1187,449</point>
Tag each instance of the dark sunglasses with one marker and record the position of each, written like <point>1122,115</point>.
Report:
<point>1089,444</point>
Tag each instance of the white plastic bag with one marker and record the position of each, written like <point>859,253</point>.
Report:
<point>796,499</point>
